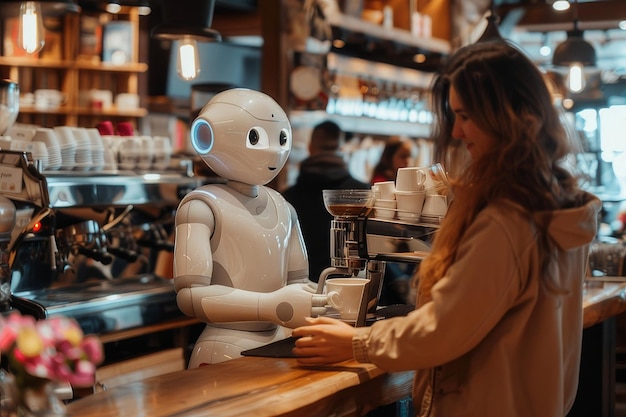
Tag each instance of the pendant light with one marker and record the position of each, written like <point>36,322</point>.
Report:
<point>187,22</point>
<point>575,53</point>
<point>30,15</point>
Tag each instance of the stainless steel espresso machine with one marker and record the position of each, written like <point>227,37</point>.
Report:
<point>84,244</point>
<point>361,243</point>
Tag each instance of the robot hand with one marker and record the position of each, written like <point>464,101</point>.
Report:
<point>291,305</point>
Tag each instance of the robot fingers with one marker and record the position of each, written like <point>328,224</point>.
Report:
<point>319,301</point>
<point>318,311</point>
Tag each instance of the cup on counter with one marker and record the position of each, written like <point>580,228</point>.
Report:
<point>385,209</point>
<point>435,205</point>
<point>67,145</point>
<point>146,156</point>
<point>410,204</point>
<point>410,179</point>
<point>346,295</point>
<point>384,190</point>
<point>49,138</point>
<point>128,152</point>
<point>162,152</point>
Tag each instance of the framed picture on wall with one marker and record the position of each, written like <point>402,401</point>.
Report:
<point>117,42</point>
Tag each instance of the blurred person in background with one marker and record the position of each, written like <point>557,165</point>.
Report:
<point>398,153</point>
<point>324,169</point>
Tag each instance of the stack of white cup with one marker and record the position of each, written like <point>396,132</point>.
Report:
<point>385,204</point>
<point>436,200</point>
<point>410,193</point>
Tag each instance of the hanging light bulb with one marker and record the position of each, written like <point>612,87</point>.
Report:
<point>31,33</point>
<point>188,60</point>
<point>575,54</point>
<point>576,78</point>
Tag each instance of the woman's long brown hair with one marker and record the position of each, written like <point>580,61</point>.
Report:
<point>505,95</point>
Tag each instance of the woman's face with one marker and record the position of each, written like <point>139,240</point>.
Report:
<point>477,141</point>
<point>403,157</point>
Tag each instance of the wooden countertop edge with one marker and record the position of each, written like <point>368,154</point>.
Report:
<point>603,302</point>
<point>251,386</point>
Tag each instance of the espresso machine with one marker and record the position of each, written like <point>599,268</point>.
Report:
<point>82,244</point>
<point>362,244</point>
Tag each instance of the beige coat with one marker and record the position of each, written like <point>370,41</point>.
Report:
<point>496,339</point>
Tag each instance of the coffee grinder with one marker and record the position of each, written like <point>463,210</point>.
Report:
<point>350,209</point>
<point>360,242</point>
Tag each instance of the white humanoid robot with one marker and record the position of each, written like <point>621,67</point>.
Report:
<point>240,263</point>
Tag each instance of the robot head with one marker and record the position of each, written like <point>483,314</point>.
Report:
<point>242,135</point>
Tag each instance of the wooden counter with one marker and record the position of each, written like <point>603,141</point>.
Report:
<point>603,300</point>
<point>253,386</point>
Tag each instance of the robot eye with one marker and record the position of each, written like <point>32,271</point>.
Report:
<point>253,136</point>
<point>283,138</point>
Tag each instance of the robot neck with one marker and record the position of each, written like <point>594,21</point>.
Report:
<point>245,189</point>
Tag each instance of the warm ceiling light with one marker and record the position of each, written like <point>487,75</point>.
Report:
<point>560,5</point>
<point>113,7</point>
<point>574,49</point>
<point>30,15</point>
<point>419,58</point>
<point>575,53</point>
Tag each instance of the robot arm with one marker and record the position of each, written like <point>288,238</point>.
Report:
<point>193,259</point>
<point>287,306</point>
<point>298,258</point>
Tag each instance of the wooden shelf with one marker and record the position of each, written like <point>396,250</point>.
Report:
<point>68,69</point>
<point>353,24</point>
<point>84,111</point>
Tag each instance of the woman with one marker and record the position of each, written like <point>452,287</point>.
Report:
<point>398,153</point>
<point>498,324</point>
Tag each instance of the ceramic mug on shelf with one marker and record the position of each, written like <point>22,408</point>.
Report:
<point>49,99</point>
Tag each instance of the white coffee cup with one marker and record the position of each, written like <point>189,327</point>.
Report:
<point>127,101</point>
<point>345,295</point>
<point>435,205</point>
<point>128,152</point>
<point>146,156</point>
<point>384,189</point>
<point>410,204</point>
<point>385,209</point>
<point>410,179</point>
<point>48,99</point>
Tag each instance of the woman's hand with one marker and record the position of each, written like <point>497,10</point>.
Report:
<point>324,342</point>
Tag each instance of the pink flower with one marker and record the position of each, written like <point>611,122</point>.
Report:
<point>53,349</point>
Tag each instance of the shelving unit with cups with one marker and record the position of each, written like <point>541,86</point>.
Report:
<point>373,80</point>
<point>63,85</point>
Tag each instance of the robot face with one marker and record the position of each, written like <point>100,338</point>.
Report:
<point>242,135</point>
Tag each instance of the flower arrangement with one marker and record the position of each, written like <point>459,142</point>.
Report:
<point>50,350</point>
